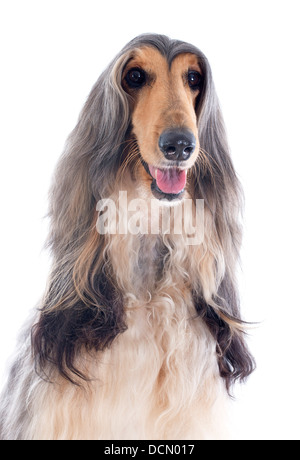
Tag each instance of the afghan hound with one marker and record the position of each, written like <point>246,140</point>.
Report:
<point>139,333</point>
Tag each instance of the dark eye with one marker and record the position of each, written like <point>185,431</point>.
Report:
<point>194,79</point>
<point>135,78</point>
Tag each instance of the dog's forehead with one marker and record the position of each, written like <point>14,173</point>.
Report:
<point>152,59</point>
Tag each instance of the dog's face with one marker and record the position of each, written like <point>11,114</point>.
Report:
<point>164,121</point>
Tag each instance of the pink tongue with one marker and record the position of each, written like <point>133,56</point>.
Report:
<point>169,180</point>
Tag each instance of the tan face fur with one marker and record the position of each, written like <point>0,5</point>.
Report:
<point>164,102</point>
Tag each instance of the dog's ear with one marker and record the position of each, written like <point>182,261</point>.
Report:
<point>215,181</point>
<point>91,158</point>
<point>82,305</point>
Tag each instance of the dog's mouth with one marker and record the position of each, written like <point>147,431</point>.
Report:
<point>170,181</point>
<point>167,183</point>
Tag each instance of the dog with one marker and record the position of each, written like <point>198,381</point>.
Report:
<point>139,333</point>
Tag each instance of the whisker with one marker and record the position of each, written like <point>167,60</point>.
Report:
<point>132,157</point>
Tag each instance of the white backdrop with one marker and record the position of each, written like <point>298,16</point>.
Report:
<point>51,54</point>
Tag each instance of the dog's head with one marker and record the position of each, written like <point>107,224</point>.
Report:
<point>154,112</point>
<point>151,124</point>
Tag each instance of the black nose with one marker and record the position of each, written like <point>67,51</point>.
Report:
<point>177,144</point>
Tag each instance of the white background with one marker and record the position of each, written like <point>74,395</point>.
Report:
<point>51,54</point>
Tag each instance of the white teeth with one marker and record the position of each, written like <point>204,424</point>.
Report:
<point>156,174</point>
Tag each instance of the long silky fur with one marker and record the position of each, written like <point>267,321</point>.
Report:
<point>137,336</point>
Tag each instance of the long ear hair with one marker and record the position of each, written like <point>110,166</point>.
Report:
<point>215,181</point>
<point>82,306</point>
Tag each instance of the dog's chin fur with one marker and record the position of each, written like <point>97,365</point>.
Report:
<point>138,336</point>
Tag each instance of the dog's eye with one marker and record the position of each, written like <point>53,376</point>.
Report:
<point>135,78</point>
<point>194,79</point>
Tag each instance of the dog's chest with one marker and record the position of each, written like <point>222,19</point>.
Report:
<point>163,367</point>
<point>151,262</point>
